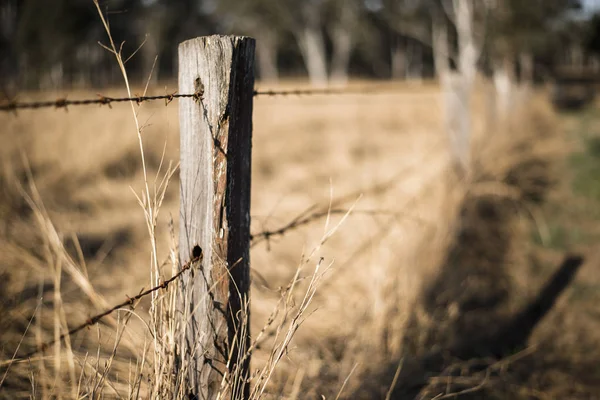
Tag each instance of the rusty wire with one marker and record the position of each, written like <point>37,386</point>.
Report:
<point>304,218</point>
<point>301,220</point>
<point>317,91</point>
<point>102,100</point>
<point>131,302</point>
<point>197,257</point>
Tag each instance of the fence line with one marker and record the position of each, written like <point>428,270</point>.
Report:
<point>297,222</point>
<point>215,207</point>
<point>107,100</point>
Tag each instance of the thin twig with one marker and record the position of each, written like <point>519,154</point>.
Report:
<point>21,341</point>
<point>395,380</point>
<point>346,382</point>
<point>473,389</point>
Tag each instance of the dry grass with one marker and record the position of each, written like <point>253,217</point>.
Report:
<point>383,153</point>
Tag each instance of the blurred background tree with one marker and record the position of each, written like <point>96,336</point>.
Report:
<point>54,44</point>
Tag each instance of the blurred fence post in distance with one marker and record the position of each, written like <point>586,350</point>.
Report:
<point>216,136</point>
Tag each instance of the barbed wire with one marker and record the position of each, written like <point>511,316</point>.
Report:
<point>302,219</point>
<point>197,258</point>
<point>102,100</point>
<point>318,91</point>
<point>310,215</point>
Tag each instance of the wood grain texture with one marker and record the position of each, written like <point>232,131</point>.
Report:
<point>216,135</point>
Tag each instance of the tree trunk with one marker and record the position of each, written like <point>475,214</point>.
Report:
<point>312,47</point>
<point>467,59</point>
<point>467,63</point>
<point>449,86</point>
<point>312,44</point>
<point>441,50</point>
<point>149,55</point>
<point>527,68</point>
<point>595,63</point>
<point>398,59</point>
<point>151,31</point>
<point>503,83</point>
<point>576,56</point>
<point>53,79</point>
<point>341,37</point>
<point>342,47</point>
<point>9,67</point>
<point>266,52</point>
<point>415,61</point>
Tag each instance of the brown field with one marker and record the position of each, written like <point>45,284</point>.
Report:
<point>399,279</point>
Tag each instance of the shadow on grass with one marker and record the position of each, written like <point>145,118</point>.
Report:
<point>464,333</point>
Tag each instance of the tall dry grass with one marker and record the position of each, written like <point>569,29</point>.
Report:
<point>74,239</point>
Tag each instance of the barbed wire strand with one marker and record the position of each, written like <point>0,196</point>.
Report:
<point>303,219</point>
<point>101,100</point>
<point>129,302</point>
<point>266,235</point>
<point>311,215</point>
<point>107,100</point>
<point>256,238</point>
<point>297,222</point>
<point>317,91</point>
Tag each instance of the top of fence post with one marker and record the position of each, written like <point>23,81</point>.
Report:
<point>216,132</point>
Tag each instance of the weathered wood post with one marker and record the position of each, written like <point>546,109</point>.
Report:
<point>216,136</point>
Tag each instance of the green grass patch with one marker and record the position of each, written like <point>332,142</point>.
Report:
<point>559,236</point>
<point>572,222</point>
<point>586,168</point>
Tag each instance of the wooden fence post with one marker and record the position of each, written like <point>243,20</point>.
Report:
<point>216,136</point>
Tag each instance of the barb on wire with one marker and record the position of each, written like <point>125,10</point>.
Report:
<point>197,258</point>
<point>101,100</point>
